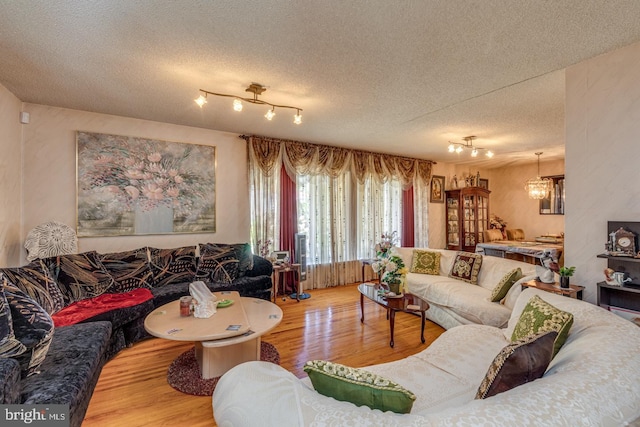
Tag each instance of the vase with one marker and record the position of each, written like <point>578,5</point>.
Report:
<point>564,281</point>
<point>153,220</point>
<point>394,287</point>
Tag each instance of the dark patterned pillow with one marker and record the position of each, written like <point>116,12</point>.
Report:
<point>243,254</point>
<point>518,363</point>
<point>245,257</point>
<point>218,263</point>
<point>173,265</point>
<point>9,345</point>
<point>466,267</point>
<point>32,326</point>
<point>130,270</point>
<point>79,276</point>
<point>36,281</point>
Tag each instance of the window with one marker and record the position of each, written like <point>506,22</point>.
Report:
<point>343,220</point>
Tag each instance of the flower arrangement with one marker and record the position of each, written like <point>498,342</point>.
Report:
<point>264,248</point>
<point>391,270</point>
<point>388,265</point>
<point>496,222</point>
<point>388,241</point>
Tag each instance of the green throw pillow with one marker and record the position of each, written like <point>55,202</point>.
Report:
<point>358,387</point>
<point>426,262</point>
<point>502,288</point>
<point>540,316</point>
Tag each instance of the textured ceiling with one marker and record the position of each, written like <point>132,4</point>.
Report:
<point>395,77</point>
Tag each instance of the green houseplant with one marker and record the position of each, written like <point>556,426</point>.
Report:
<point>565,273</point>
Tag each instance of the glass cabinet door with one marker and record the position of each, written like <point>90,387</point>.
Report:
<point>483,216</point>
<point>469,220</point>
<point>453,224</point>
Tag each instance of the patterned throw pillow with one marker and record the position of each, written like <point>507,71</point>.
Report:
<point>466,267</point>
<point>245,257</point>
<point>243,254</point>
<point>426,262</point>
<point>79,276</point>
<point>173,265</point>
<point>36,281</point>
<point>518,363</point>
<point>540,316</point>
<point>503,286</point>
<point>218,263</point>
<point>130,270</point>
<point>9,345</point>
<point>32,326</point>
<point>358,387</point>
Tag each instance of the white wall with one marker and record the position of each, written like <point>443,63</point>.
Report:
<point>602,156</point>
<point>49,174</point>
<point>10,178</point>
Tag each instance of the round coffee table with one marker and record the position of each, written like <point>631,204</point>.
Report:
<point>224,340</point>
<point>407,303</point>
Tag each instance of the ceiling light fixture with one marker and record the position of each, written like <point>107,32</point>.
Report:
<point>538,188</point>
<point>459,147</point>
<point>257,89</point>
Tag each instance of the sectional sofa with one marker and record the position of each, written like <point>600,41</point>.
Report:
<point>594,380</point>
<point>452,301</point>
<point>62,318</point>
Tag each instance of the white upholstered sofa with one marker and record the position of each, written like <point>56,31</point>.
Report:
<point>594,380</point>
<point>454,302</point>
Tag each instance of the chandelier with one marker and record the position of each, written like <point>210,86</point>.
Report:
<point>257,89</point>
<point>538,188</point>
<point>459,147</point>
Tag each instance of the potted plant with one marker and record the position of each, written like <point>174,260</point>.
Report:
<point>565,273</point>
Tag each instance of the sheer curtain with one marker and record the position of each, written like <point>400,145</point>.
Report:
<point>343,220</point>
<point>264,201</point>
<point>345,200</point>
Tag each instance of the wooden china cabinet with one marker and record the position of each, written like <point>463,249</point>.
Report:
<point>467,217</point>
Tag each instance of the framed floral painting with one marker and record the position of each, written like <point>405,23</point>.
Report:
<point>129,186</point>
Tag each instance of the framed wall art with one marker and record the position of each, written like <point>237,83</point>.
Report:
<point>437,189</point>
<point>483,183</point>
<point>130,186</point>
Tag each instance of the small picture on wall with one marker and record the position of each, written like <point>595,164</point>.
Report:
<point>483,183</point>
<point>437,189</point>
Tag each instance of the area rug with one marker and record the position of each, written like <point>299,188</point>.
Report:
<point>184,373</point>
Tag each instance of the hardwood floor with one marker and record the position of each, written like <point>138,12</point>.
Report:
<point>133,389</point>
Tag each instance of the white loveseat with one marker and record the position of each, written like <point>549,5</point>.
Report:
<point>594,380</point>
<point>454,302</point>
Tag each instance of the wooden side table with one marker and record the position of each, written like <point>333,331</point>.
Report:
<point>366,262</point>
<point>573,291</point>
<point>279,271</point>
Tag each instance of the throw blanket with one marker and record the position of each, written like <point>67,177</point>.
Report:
<point>87,308</point>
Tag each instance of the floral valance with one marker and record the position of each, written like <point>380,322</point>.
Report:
<point>301,158</point>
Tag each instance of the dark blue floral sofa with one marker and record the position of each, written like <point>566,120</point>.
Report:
<point>63,318</point>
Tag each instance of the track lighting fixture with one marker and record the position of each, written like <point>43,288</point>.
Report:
<point>257,89</point>
<point>458,147</point>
